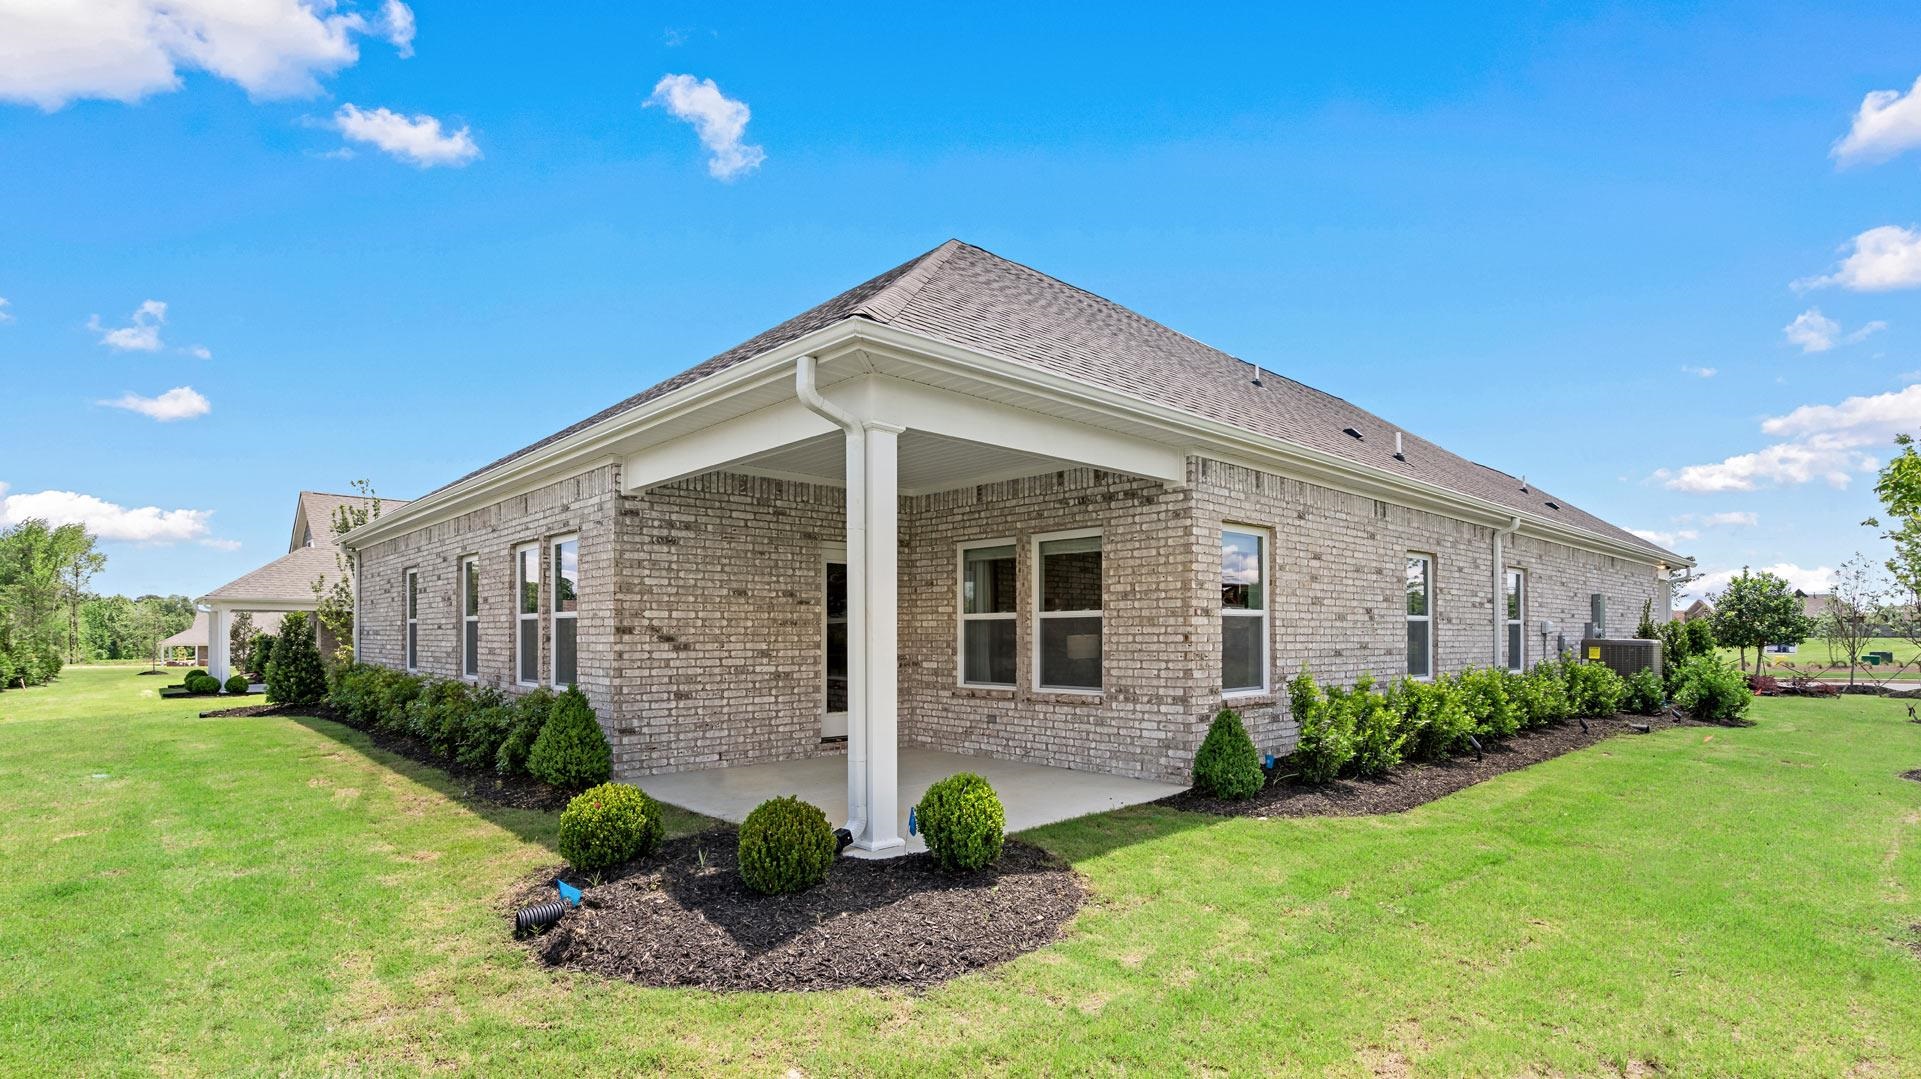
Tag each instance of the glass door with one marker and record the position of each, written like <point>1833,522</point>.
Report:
<point>833,723</point>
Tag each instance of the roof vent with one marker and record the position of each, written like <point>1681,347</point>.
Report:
<point>1257,373</point>
<point>1351,432</point>
<point>1553,505</point>
<point>1398,455</point>
<point>1523,484</point>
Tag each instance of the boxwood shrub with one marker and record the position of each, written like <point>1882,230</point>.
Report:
<point>786,846</point>
<point>1227,764</point>
<point>609,824</point>
<point>572,751</point>
<point>237,685</point>
<point>964,824</point>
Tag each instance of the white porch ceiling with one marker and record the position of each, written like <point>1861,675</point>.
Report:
<point>928,462</point>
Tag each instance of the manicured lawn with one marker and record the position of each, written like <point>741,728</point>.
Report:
<point>1815,658</point>
<point>271,895</point>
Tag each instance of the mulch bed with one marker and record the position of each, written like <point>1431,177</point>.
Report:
<point>1410,785</point>
<point>683,918</point>
<point>520,792</point>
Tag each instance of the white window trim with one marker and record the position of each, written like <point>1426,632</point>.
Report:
<point>1520,621</point>
<point>522,617</point>
<point>1034,603</point>
<point>555,614</point>
<point>410,608</point>
<point>1266,538</point>
<point>469,656</point>
<point>962,617</point>
<point>1428,617</point>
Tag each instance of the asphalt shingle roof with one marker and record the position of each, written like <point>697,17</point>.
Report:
<point>289,577</point>
<point>966,296</point>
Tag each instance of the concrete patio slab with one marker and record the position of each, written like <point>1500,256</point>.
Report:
<point>1032,794</point>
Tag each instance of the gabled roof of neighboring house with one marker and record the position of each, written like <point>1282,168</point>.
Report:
<point>195,635</point>
<point>314,516</point>
<point>962,295</point>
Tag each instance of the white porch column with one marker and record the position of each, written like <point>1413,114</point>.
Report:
<point>876,703</point>
<point>217,642</point>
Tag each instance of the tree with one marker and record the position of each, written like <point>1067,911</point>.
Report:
<point>78,562</point>
<point>1756,610</point>
<point>1856,605</point>
<point>1899,488</point>
<point>334,601</point>
<point>294,674</point>
<point>1647,630</point>
<point>240,640</point>
<point>31,591</point>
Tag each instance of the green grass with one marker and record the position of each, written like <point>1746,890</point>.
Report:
<point>275,895</point>
<point>1814,657</point>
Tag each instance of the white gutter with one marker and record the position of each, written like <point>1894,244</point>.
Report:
<point>1500,592</point>
<point>809,394</point>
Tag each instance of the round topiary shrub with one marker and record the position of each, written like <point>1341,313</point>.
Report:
<point>192,672</point>
<point>237,685</point>
<point>786,846</point>
<point>607,825</point>
<point>963,822</point>
<point>201,683</point>
<point>571,751</point>
<point>1227,764</point>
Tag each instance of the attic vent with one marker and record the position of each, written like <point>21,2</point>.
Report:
<point>1351,432</point>
<point>1553,505</point>
<point>1380,509</point>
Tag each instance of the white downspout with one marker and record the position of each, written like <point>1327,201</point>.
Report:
<point>1500,595</point>
<point>809,396</point>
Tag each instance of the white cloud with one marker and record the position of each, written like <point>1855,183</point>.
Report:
<point>1812,581</point>
<point>147,524</point>
<point>1887,123</point>
<point>198,352</point>
<point>1731,519</point>
<point>1816,332</point>
<point>179,403</point>
<point>56,51</point>
<point>719,120</point>
<point>416,139</point>
<point>397,25</point>
<point>1825,442</point>
<point>221,544</point>
<point>1666,539</point>
<point>5,315</point>
<point>1700,372</point>
<point>1883,258</point>
<point>142,335</point>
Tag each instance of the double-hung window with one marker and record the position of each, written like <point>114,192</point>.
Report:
<point>1516,617</point>
<point>470,616</point>
<point>413,620</point>
<point>566,607</point>
<point>1420,616</point>
<point>1243,611</point>
<point>987,600</point>
<point>527,614</point>
<point>1067,587</point>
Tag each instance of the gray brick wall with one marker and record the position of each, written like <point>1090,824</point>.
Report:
<point>702,618</point>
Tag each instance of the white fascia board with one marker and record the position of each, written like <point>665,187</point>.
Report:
<point>704,450</point>
<point>1224,441</point>
<point>591,447</point>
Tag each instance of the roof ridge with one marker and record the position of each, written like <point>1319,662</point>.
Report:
<point>887,304</point>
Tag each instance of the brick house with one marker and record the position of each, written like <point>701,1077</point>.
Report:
<point>969,507</point>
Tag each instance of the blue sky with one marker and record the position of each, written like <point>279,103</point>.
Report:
<point>1523,236</point>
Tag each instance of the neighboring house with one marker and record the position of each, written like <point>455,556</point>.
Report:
<point>968,507</point>
<point>195,635</point>
<point>286,583</point>
<point>1697,610</point>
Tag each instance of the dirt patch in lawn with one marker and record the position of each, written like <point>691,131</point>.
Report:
<point>1410,785</point>
<point>1914,774</point>
<point>683,918</point>
<point>520,792</point>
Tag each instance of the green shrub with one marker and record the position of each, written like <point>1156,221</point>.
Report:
<point>963,822</point>
<point>1326,740</point>
<point>201,684</point>
<point>7,672</point>
<point>436,715</point>
<point>1227,764</point>
<point>530,714</point>
<point>607,825</point>
<point>294,673</point>
<point>1645,694</point>
<point>258,653</point>
<point>1544,696</point>
<point>1484,696</point>
<point>478,733</point>
<point>1433,716</point>
<point>1710,688</point>
<point>237,685</point>
<point>393,692</point>
<point>786,846</point>
<point>571,751</point>
<point>1593,690</point>
<point>1378,731</point>
<point>193,672</point>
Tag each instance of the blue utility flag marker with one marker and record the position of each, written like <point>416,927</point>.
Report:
<point>913,824</point>
<point>568,892</point>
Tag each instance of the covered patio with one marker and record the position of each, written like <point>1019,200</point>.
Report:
<point>1032,794</point>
